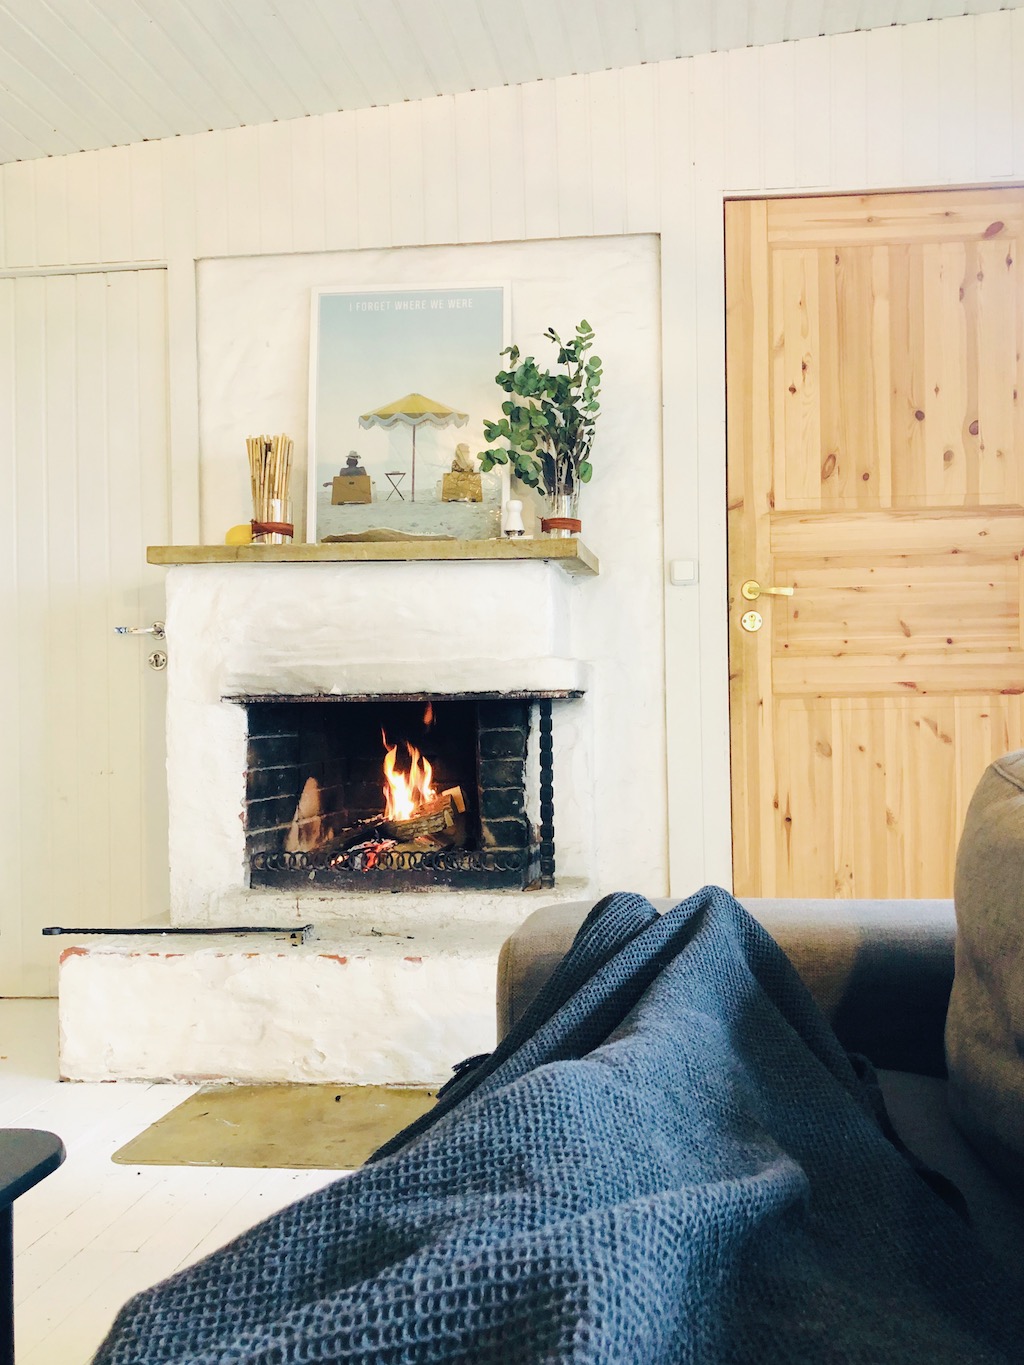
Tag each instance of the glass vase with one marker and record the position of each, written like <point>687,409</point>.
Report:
<point>272,523</point>
<point>561,517</point>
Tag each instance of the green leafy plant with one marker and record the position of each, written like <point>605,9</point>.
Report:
<point>547,425</point>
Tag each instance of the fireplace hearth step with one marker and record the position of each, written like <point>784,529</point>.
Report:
<point>398,1005</point>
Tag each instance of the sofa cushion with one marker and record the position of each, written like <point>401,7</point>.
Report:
<point>918,1110</point>
<point>985,1025</point>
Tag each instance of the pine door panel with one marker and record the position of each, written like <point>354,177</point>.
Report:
<point>876,467</point>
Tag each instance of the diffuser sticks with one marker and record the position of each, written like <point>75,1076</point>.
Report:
<point>270,467</point>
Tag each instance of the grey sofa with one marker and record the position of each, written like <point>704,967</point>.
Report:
<point>882,973</point>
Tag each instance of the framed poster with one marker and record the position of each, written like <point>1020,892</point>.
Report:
<point>401,381</point>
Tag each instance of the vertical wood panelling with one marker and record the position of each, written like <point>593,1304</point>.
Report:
<point>609,140</point>
<point>93,636</point>
<point>120,422</point>
<point>341,182</point>
<point>958,118</point>
<point>812,69</point>
<point>115,188</point>
<point>473,169</point>
<point>884,103</point>
<point>274,211</point>
<point>777,119</point>
<point>51,194</point>
<point>540,172</point>
<point>210,175</point>
<point>440,202</point>
<point>993,56</point>
<point>183,401</point>
<point>849,112</point>
<point>373,176</point>
<point>642,135</point>
<point>923,101</point>
<point>706,488</point>
<point>11,592</point>
<point>506,155</point>
<point>180,203</point>
<point>147,205</point>
<point>694,621</point>
<point>84,363</point>
<point>405,140</point>
<point>574,184</point>
<point>70,862</point>
<point>1017,60</point>
<point>83,188</point>
<point>26,665</point>
<point>20,214</point>
<point>242,165</point>
<point>742,71</point>
<point>306,154</point>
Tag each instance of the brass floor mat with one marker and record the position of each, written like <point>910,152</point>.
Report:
<point>307,1127</point>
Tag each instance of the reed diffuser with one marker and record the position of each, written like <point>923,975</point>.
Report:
<point>270,468</point>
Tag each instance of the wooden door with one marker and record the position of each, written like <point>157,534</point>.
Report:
<point>876,467</point>
<point>84,480</point>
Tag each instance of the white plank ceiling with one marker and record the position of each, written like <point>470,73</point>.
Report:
<point>82,74</point>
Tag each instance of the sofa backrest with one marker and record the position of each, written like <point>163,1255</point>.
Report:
<point>880,970</point>
<point>985,1026</point>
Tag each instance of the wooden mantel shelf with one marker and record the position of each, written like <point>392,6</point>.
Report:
<point>570,554</point>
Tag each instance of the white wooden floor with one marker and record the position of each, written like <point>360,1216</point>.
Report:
<point>93,1233</point>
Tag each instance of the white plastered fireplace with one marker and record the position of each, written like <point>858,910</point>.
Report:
<point>386,987</point>
<point>393,1009</point>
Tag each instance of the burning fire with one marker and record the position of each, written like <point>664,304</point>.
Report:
<point>405,792</point>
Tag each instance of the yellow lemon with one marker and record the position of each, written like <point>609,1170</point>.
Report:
<point>239,535</point>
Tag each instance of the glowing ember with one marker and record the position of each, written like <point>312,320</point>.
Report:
<point>405,792</point>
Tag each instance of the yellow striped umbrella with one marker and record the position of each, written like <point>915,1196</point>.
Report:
<point>414,410</point>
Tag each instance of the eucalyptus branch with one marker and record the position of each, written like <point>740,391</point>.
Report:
<point>546,431</point>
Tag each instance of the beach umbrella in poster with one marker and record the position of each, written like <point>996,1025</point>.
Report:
<point>413,411</point>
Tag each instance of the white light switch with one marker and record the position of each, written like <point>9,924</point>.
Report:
<point>682,571</point>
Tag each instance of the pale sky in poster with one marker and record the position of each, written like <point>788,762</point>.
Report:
<point>374,347</point>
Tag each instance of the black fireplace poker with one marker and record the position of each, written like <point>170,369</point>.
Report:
<point>298,935</point>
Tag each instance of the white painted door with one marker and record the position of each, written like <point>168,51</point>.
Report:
<point>83,490</point>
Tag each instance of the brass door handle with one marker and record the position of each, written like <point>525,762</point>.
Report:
<point>751,590</point>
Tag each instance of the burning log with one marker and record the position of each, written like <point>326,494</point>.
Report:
<point>432,818</point>
<point>363,857</point>
<point>306,831</point>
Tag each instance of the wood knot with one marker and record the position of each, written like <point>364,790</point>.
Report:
<point>829,467</point>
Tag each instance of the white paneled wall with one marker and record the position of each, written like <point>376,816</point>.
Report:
<point>651,148</point>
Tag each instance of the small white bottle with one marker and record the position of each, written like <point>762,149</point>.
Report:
<point>514,518</point>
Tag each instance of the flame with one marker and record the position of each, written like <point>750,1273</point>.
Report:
<point>405,792</point>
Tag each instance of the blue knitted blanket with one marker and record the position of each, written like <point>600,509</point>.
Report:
<point>670,1159</point>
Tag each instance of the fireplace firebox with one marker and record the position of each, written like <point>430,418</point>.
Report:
<point>399,792</point>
